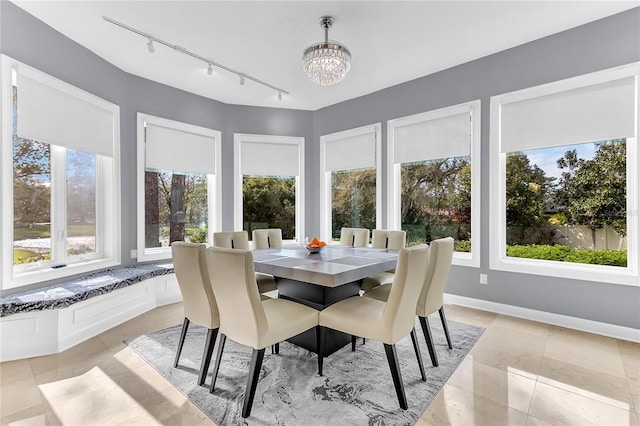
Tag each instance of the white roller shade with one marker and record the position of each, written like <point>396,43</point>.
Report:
<point>179,150</point>
<point>50,115</point>
<point>269,159</point>
<point>442,137</point>
<point>356,152</point>
<point>586,114</point>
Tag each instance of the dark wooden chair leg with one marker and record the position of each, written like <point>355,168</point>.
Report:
<point>277,345</point>
<point>444,326</point>
<point>416,348</point>
<point>273,349</point>
<point>320,336</point>
<point>216,367</point>
<point>353,343</point>
<point>392,358</point>
<point>426,330</point>
<point>252,381</point>
<point>183,335</point>
<point>212,333</point>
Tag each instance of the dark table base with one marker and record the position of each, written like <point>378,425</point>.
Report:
<point>317,297</point>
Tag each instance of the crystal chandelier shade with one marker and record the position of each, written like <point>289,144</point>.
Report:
<point>328,62</point>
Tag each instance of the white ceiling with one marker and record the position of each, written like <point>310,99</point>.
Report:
<point>391,41</point>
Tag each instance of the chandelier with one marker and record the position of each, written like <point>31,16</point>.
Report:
<point>326,63</point>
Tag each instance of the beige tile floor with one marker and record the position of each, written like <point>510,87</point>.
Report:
<point>519,373</point>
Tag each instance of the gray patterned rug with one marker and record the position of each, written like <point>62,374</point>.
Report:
<point>356,388</point>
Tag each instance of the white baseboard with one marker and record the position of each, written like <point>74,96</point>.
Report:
<point>581,324</point>
<point>47,332</point>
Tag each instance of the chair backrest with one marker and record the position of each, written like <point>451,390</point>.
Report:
<point>267,238</point>
<point>383,238</point>
<point>354,237</point>
<point>190,265</point>
<point>440,255</point>
<point>233,279</point>
<point>399,312</point>
<point>236,240</point>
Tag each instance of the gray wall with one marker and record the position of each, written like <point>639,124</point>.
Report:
<point>599,45</point>
<point>602,44</point>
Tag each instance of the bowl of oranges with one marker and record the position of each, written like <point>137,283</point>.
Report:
<point>315,246</point>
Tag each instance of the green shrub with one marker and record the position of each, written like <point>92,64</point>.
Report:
<point>563,253</point>
<point>197,235</point>
<point>463,246</point>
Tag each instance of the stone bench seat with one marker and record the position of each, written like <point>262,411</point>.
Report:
<point>78,289</point>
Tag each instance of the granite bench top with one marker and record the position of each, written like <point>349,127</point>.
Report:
<point>78,289</point>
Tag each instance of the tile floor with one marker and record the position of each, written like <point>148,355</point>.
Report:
<point>519,373</point>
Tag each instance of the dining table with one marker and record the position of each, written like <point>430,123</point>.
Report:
<point>321,279</point>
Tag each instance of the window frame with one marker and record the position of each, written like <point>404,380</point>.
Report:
<point>299,141</point>
<point>602,273</point>
<point>395,181</point>
<point>108,189</point>
<point>325,176</point>
<point>214,183</point>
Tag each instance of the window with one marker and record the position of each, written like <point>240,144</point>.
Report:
<point>564,178</point>
<point>434,178</point>
<point>268,184</point>
<point>60,174</point>
<point>178,186</point>
<point>350,192</point>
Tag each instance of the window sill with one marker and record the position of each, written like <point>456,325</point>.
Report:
<point>576,271</point>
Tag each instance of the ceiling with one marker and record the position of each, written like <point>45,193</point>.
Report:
<point>391,41</point>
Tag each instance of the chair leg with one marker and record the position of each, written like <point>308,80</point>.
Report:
<point>212,333</point>
<point>426,330</point>
<point>320,336</point>
<point>392,358</point>
<point>363,340</point>
<point>183,335</point>
<point>252,381</point>
<point>353,343</point>
<point>216,367</point>
<point>277,345</point>
<point>444,326</point>
<point>416,348</point>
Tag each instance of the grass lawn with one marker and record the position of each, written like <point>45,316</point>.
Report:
<point>24,256</point>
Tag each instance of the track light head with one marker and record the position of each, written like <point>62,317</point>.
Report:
<point>241,80</point>
<point>150,46</point>
<point>210,69</point>
<point>279,96</point>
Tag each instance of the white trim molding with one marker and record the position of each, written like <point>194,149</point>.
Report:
<point>581,324</point>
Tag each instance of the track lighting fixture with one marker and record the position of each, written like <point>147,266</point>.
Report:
<point>209,62</point>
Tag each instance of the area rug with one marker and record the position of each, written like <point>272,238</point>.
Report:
<point>356,388</point>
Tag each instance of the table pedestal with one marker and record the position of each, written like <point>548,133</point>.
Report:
<point>317,297</point>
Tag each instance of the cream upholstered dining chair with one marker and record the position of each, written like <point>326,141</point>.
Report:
<point>267,238</point>
<point>190,265</point>
<point>431,296</point>
<point>246,319</point>
<point>383,238</point>
<point>240,240</point>
<point>387,322</point>
<point>354,237</point>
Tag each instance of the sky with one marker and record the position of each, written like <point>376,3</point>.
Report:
<point>547,158</point>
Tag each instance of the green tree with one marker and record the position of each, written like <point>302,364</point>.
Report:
<point>353,201</point>
<point>527,191</point>
<point>269,201</point>
<point>594,191</point>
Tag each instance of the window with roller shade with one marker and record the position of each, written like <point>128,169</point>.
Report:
<point>60,175</point>
<point>178,186</point>
<point>268,184</point>
<point>564,176</point>
<point>434,177</point>
<point>349,181</point>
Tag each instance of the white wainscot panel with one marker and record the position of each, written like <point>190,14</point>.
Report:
<point>28,334</point>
